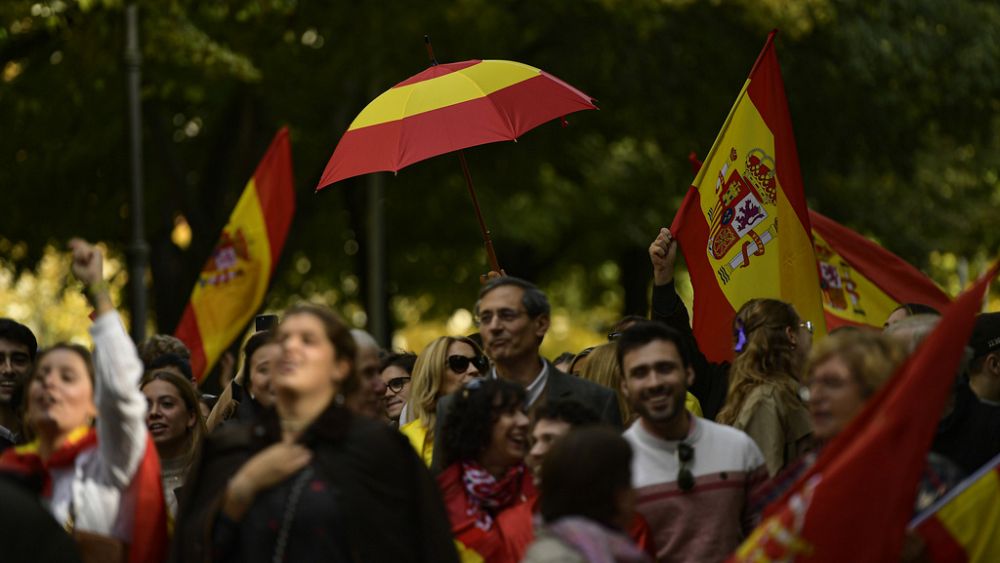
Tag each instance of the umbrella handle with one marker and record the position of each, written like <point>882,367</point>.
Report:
<point>490,251</point>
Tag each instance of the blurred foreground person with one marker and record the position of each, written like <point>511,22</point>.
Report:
<point>484,440</point>
<point>92,461</point>
<point>443,367</point>
<point>691,475</point>
<point>17,354</point>
<point>28,533</point>
<point>310,480</point>
<point>587,501</point>
<point>175,422</point>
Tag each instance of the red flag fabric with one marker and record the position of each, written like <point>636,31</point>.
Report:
<point>232,284</point>
<point>862,282</point>
<point>727,225</point>
<point>854,503</point>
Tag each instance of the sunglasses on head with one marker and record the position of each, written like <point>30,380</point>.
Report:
<point>396,384</point>
<point>685,479</point>
<point>459,364</point>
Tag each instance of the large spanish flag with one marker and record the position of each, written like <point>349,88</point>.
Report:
<point>854,503</point>
<point>861,281</point>
<point>744,226</point>
<point>232,284</point>
<point>964,526</point>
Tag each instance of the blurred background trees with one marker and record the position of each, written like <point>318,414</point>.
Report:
<point>896,108</point>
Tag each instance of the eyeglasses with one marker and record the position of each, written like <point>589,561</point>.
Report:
<point>459,363</point>
<point>685,479</point>
<point>807,325</point>
<point>612,336</point>
<point>396,384</point>
<point>504,315</point>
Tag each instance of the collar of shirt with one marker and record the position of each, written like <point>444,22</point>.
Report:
<point>535,388</point>
<point>644,435</point>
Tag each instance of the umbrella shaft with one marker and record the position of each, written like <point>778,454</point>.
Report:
<point>490,252</point>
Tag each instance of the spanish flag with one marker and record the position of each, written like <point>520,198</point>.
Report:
<point>964,526</point>
<point>862,282</point>
<point>744,227</point>
<point>854,503</point>
<point>232,284</point>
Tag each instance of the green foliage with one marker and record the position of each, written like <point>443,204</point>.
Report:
<point>895,106</point>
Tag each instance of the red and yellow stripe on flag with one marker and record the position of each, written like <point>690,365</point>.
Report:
<point>862,282</point>
<point>231,286</point>
<point>964,526</point>
<point>448,107</point>
<point>728,225</point>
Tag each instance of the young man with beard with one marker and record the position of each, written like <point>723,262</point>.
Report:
<point>17,354</point>
<point>692,476</point>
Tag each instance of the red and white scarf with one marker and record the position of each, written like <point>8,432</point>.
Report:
<point>488,495</point>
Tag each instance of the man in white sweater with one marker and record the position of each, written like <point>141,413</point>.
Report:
<point>692,476</point>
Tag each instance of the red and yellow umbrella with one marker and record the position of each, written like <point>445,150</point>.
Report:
<point>446,108</point>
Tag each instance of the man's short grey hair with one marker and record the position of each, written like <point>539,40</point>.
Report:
<point>911,331</point>
<point>534,300</point>
<point>364,339</point>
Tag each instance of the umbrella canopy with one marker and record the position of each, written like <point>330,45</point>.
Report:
<point>450,107</point>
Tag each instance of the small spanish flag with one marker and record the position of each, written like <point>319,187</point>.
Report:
<point>964,526</point>
<point>232,284</point>
<point>862,282</point>
<point>743,226</point>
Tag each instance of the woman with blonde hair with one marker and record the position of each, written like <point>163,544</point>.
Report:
<point>444,366</point>
<point>772,343</point>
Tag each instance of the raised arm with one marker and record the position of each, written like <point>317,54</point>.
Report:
<point>711,380</point>
<point>121,406</point>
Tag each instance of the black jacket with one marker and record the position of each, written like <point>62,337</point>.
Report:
<point>392,505</point>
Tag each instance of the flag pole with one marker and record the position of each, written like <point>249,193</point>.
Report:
<point>487,241</point>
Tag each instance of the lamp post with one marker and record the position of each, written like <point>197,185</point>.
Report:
<point>138,250</point>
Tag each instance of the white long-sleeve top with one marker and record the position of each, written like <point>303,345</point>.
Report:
<point>96,487</point>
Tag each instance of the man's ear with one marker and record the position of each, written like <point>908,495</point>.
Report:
<point>689,378</point>
<point>542,323</point>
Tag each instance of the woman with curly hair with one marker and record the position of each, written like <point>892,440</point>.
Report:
<point>445,365</point>
<point>771,343</point>
<point>484,441</point>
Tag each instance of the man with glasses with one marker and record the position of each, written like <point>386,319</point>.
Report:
<point>692,476</point>
<point>17,354</point>
<point>395,373</point>
<point>513,317</point>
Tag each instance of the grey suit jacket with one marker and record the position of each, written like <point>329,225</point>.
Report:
<point>560,386</point>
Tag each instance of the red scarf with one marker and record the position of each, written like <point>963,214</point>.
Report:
<point>149,517</point>
<point>488,495</point>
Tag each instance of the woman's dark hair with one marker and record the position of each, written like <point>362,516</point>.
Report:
<point>583,474</point>
<point>339,336</point>
<point>254,343</point>
<point>468,426</point>
<point>172,360</point>
<point>403,360</point>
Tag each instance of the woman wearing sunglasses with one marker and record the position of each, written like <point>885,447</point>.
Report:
<point>484,442</point>
<point>772,344</point>
<point>445,365</point>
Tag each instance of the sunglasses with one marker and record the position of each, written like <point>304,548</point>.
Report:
<point>396,384</point>
<point>807,325</point>
<point>459,363</point>
<point>685,479</point>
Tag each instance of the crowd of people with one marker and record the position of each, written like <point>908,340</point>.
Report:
<point>325,447</point>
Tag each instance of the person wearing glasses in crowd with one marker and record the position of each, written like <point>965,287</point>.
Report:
<point>513,317</point>
<point>444,366</point>
<point>395,373</point>
<point>692,476</point>
<point>771,344</point>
